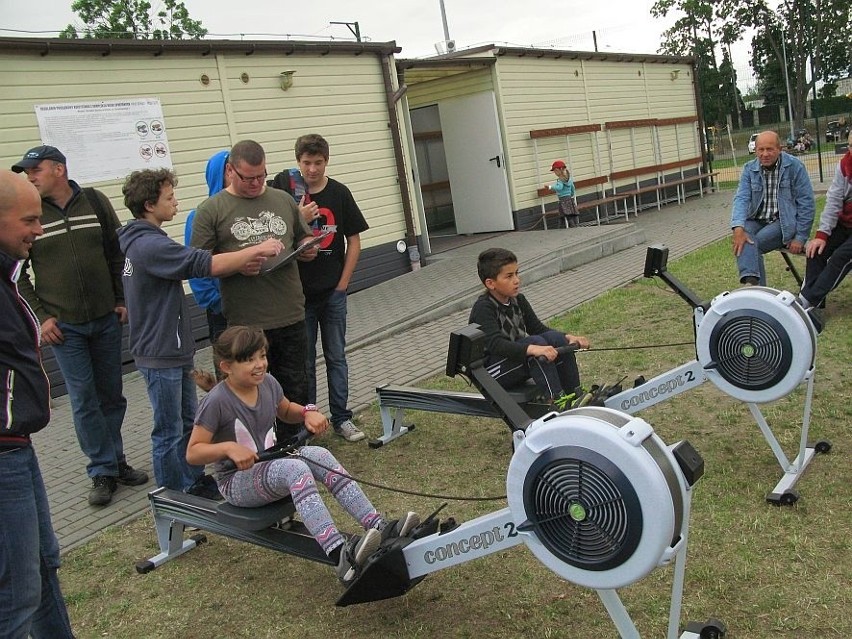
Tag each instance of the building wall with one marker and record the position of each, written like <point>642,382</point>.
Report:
<point>340,95</point>
<point>553,93</point>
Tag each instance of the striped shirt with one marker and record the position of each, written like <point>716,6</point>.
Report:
<point>768,210</point>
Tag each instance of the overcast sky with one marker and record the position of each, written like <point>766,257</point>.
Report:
<point>415,25</point>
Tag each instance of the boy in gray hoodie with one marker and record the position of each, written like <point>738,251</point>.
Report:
<point>161,339</point>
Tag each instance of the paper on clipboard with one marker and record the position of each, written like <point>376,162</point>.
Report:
<point>288,255</point>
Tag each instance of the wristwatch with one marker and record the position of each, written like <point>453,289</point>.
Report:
<point>309,407</point>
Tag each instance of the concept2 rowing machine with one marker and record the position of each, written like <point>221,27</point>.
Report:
<point>594,493</point>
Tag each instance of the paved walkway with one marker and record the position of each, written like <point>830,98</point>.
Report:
<point>398,332</point>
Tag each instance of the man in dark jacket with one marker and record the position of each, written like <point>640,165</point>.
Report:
<point>79,302</point>
<point>30,598</point>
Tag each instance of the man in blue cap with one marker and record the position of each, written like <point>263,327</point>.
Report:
<point>78,297</point>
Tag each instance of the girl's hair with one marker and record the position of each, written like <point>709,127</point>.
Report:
<point>239,343</point>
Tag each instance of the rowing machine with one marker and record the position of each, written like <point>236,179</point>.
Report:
<point>272,526</point>
<point>594,494</point>
<point>394,400</point>
<point>755,344</point>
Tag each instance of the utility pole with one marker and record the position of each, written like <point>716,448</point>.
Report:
<point>787,82</point>
<point>353,27</point>
<point>444,21</point>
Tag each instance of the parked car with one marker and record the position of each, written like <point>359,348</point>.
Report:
<point>836,131</point>
<point>752,142</point>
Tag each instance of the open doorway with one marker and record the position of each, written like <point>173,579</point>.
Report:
<point>461,166</point>
<point>432,171</point>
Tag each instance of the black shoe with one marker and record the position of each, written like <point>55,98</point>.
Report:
<point>129,476</point>
<point>103,486</point>
<point>205,486</point>
<point>816,318</point>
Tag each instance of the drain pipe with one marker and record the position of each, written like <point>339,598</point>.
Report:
<point>393,96</point>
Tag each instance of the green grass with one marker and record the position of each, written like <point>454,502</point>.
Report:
<point>765,571</point>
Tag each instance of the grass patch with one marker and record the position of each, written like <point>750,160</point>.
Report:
<point>765,571</point>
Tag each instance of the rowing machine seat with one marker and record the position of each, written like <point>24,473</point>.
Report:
<point>255,518</point>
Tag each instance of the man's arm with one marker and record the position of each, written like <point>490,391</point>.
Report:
<point>741,205</point>
<point>246,261</point>
<point>740,210</point>
<point>803,192</point>
<point>27,291</point>
<point>350,260</point>
<point>203,234</point>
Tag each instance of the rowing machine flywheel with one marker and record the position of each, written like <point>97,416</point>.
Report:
<point>601,497</point>
<point>756,344</point>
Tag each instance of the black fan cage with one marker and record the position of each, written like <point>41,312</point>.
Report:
<point>750,349</point>
<point>583,509</point>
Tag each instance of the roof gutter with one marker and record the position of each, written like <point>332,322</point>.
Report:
<point>393,96</point>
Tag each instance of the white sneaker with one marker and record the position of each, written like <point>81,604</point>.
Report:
<point>355,553</point>
<point>401,527</point>
<point>348,431</point>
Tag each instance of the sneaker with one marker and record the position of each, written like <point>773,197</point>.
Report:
<point>354,554</point>
<point>348,431</point>
<point>103,486</point>
<point>817,319</point>
<point>401,527</point>
<point>129,476</point>
<point>205,486</point>
<point>564,401</point>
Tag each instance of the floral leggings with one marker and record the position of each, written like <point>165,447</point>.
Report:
<point>270,481</point>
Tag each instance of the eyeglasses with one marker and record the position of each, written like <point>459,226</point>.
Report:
<point>254,178</point>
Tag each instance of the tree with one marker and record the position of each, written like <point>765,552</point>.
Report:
<point>812,33</point>
<point>699,33</point>
<point>133,19</point>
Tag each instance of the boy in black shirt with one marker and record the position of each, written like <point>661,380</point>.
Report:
<point>326,204</point>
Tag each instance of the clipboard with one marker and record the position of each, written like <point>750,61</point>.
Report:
<point>288,255</point>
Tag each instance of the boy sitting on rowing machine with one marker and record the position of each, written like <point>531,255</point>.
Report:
<point>236,420</point>
<point>519,345</point>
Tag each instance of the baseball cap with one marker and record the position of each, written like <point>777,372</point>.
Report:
<point>559,164</point>
<point>34,157</point>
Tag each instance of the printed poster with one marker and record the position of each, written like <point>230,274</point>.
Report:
<point>106,139</point>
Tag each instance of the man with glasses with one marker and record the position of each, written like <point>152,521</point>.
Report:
<point>246,212</point>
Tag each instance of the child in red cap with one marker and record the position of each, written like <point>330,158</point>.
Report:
<point>564,188</point>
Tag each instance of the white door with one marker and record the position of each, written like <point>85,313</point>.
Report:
<point>476,163</point>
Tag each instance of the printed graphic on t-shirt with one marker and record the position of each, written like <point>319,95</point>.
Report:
<point>253,230</point>
<point>325,222</point>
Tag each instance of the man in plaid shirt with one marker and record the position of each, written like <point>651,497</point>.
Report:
<point>773,208</point>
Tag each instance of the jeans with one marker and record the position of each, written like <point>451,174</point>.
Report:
<point>328,314</point>
<point>553,378</point>
<point>31,601</point>
<point>90,361</point>
<point>767,237</point>
<point>172,395</point>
